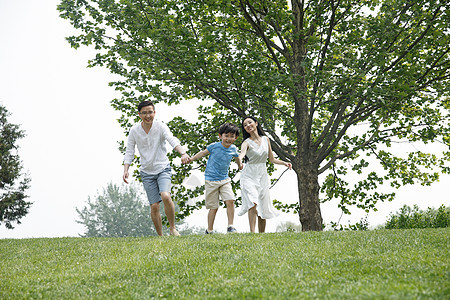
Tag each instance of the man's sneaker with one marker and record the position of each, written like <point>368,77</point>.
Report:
<point>208,232</point>
<point>231,229</point>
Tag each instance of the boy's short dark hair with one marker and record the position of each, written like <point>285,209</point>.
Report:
<point>144,104</point>
<point>229,128</point>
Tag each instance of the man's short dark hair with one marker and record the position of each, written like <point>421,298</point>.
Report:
<point>229,128</point>
<point>144,104</point>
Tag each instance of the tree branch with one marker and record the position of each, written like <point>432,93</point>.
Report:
<point>260,32</point>
<point>351,152</point>
<point>433,65</point>
<point>340,108</point>
<point>405,52</point>
<point>355,117</point>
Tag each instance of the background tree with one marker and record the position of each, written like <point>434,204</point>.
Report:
<point>13,183</point>
<point>334,83</point>
<point>119,211</point>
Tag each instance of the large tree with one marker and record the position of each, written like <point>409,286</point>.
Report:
<point>13,182</point>
<point>334,82</point>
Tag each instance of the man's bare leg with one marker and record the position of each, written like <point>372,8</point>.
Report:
<point>169,209</point>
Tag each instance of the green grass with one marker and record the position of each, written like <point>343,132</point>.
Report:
<point>382,264</point>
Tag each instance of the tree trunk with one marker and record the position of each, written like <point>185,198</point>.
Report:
<point>304,162</point>
<point>308,192</point>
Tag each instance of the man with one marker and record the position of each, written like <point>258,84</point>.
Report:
<point>150,137</point>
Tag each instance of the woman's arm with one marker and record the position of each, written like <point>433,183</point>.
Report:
<point>244,148</point>
<point>241,156</point>
<point>273,160</point>
<point>239,163</point>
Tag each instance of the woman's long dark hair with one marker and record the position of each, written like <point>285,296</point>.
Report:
<point>246,135</point>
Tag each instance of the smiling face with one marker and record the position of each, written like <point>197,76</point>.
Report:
<point>228,139</point>
<point>250,125</point>
<point>147,114</point>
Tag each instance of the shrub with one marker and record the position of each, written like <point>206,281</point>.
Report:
<point>363,225</point>
<point>408,217</point>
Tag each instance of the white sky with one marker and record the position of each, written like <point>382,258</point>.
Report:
<point>70,150</point>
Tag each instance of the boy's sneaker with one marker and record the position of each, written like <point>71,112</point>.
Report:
<point>231,229</point>
<point>208,232</point>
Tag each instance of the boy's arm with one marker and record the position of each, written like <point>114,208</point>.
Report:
<point>199,155</point>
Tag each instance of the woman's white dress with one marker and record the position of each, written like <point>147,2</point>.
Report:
<point>255,181</point>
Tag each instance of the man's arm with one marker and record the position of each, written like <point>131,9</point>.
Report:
<point>175,143</point>
<point>125,172</point>
<point>184,156</point>
<point>129,156</point>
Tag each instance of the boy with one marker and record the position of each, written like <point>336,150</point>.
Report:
<point>217,181</point>
<point>150,136</point>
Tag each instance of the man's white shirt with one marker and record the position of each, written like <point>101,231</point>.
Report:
<point>151,146</point>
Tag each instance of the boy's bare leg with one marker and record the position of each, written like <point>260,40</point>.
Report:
<point>211,217</point>
<point>252,214</point>
<point>156,218</point>
<point>169,209</point>
<point>261,224</point>
<point>230,211</point>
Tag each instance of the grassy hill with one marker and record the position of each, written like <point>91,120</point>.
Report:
<point>381,264</point>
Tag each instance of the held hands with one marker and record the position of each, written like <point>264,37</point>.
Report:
<point>185,159</point>
<point>240,164</point>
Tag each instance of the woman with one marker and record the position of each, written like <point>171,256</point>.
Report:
<point>254,178</point>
